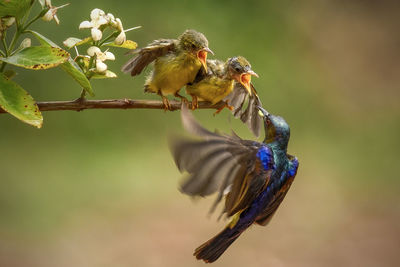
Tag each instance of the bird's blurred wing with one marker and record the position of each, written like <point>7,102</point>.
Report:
<point>249,114</point>
<point>216,162</point>
<point>289,175</point>
<point>148,54</point>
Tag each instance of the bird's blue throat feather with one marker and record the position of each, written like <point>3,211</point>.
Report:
<point>293,169</point>
<point>266,158</point>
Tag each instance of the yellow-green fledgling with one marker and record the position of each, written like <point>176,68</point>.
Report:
<point>176,63</point>
<point>229,82</point>
<point>220,80</point>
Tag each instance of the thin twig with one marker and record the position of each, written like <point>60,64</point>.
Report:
<point>82,104</point>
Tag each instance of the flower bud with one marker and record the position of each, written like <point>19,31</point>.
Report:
<point>121,38</point>
<point>48,16</point>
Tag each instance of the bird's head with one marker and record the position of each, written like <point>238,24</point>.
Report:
<point>240,70</point>
<point>196,44</point>
<point>276,128</point>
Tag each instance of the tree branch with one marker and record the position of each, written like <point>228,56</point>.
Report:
<point>82,104</point>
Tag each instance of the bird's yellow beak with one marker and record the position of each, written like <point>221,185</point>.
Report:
<point>245,79</point>
<point>202,56</point>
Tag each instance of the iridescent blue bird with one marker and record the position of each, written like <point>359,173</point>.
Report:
<point>254,177</point>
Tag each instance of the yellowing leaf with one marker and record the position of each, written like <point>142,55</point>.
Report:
<point>19,103</point>
<point>128,44</point>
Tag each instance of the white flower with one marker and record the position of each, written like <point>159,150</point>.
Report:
<point>119,25</point>
<point>48,16</point>
<point>100,66</point>
<point>96,34</point>
<point>121,38</point>
<point>85,25</point>
<point>93,50</point>
<point>96,13</point>
<point>110,17</point>
<point>109,56</point>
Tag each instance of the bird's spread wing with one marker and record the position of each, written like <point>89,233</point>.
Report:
<point>223,163</point>
<point>148,54</point>
<point>249,114</point>
<point>286,182</point>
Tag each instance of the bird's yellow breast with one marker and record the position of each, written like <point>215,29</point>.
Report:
<point>211,88</point>
<point>172,72</point>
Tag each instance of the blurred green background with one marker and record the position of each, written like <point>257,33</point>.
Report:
<point>99,187</point>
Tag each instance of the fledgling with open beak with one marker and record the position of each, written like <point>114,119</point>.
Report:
<point>229,82</point>
<point>253,177</point>
<point>176,63</point>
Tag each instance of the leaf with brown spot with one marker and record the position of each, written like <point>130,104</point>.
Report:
<point>38,57</point>
<point>17,102</point>
<point>71,67</point>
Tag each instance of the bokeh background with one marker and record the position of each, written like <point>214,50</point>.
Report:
<point>99,187</point>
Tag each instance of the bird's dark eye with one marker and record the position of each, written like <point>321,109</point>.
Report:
<point>193,46</point>
<point>237,69</point>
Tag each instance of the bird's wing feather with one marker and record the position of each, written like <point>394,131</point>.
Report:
<point>148,54</point>
<point>265,217</point>
<point>220,163</point>
<point>249,114</point>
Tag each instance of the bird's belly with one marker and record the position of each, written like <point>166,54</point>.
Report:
<point>171,77</point>
<point>211,90</point>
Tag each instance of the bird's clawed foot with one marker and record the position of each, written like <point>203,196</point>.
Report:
<point>226,105</point>
<point>167,105</point>
<point>195,102</point>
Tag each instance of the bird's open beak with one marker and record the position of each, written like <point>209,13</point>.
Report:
<point>202,56</point>
<point>245,79</point>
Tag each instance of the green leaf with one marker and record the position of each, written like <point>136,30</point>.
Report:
<point>14,8</point>
<point>38,57</point>
<point>70,66</point>
<point>128,44</point>
<point>9,74</point>
<point>19,103</point>
<point>84,41</point>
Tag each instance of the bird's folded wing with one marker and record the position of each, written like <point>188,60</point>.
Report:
<point>289,175</point>
<point>216,162</point>
<point>249,114</point>
<point>148,54</point>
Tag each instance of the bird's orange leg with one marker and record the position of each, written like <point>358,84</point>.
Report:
<point>165,101</point>
<point>195,102</point>
<point>226,105</point>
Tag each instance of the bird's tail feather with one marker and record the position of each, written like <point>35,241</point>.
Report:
<point>211,250</point>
